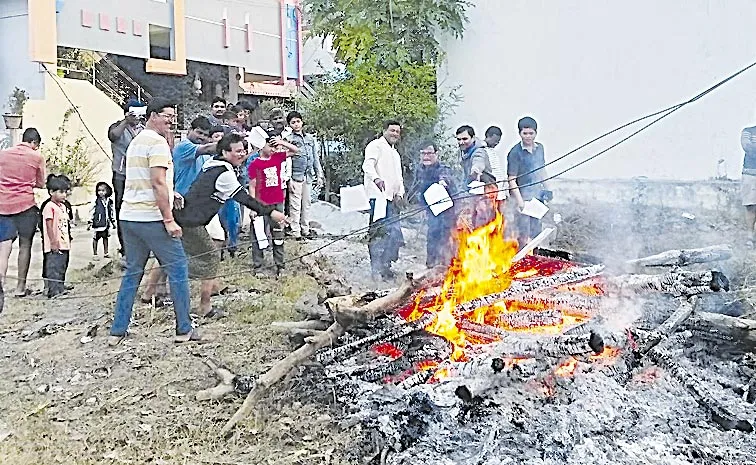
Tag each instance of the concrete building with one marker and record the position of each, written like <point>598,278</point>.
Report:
<point>582,68</point>
<point>259,40</point>
<point>224,47</point>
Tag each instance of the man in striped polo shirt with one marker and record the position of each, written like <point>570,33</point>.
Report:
<point>148,224</point>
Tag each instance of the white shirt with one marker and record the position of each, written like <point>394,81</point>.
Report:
<point>382,161</point>
<point>498,160</point>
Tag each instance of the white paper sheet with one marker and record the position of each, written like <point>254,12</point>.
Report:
<point>138,111</point>
<point>536,242</point>
<point>477,188</point>
<point>354,199</point>
<point>259,227</point>
<point>257,137</point>
<point>534,208</point>
<point>438,199</point>
<point>503,190</point>
<point>215,229</point>
<point>379,212</point>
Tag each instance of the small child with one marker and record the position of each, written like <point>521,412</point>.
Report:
<point>102,218</point>
<point>265,185</point>
<point>57,242</point>
<point>69,209</point>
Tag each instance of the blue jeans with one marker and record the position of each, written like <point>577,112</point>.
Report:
<point>229,219</point>
<point>141,239</point>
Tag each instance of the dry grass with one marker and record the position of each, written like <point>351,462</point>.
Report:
<point>135,404</point>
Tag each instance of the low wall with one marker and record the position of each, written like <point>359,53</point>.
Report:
<point>708,195</point>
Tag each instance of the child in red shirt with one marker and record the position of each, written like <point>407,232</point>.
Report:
<point>265,185</point>
<point>57,243</point>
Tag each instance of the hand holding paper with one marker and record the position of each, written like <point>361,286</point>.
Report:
<point>437,197</point>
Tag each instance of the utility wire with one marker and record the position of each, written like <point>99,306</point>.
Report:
<point>463,195</point>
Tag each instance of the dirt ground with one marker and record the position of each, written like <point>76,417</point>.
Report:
<point>66,401</point>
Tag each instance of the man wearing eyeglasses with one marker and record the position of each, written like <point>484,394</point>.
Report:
<point>148,223</point>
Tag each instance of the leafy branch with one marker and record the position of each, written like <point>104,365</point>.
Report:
<point>70,154</point>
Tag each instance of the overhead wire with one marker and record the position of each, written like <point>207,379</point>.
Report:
<point>464,194</point>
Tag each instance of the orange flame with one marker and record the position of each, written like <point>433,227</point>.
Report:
<point>567,368</point>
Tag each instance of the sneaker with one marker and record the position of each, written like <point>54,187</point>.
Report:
<point>96,257</point>
<point>115,340</point>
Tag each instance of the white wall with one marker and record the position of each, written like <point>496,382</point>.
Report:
<point>582,67</point>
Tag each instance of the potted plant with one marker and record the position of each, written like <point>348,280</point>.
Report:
<point>16,101</point>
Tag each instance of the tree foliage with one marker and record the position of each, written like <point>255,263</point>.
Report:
<point>391,33</point>
<point>350,110</point>
<point>70,154</point>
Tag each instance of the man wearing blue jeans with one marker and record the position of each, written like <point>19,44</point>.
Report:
<point>148,223</point>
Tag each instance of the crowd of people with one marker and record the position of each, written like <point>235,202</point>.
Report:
<point>183,201</point>
<point>518,174</point>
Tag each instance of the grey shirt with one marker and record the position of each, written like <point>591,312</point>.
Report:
<point>119,147</point>
<point>306,163</point>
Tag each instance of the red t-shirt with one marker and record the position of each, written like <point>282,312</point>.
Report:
<point>267,174</point>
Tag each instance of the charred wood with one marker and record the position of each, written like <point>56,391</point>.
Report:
<point>663,331</point>
<point>683,257</point>
<point>421,377</point>
<point>265,381</point>
<point>348,314</point>
<point>681,283</point>
<point>737,329</point>
<point>726,416</point>
<point>341,352</point>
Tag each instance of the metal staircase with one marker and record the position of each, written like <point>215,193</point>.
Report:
<point>106,76</point>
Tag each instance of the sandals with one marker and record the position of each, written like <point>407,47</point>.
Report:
<point>191,336</point>
<point>214,312</point>
<point>115,340</point>
<point>21,295</point>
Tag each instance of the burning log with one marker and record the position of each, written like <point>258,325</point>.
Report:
<point>570,304</point>
<point>530,285</point>
<point>551,346</point>
<point>683,257</point>
<point>265,381</point>
<point>724,415</point>
<point>349,314</point>
<point>682,283</point>
<point>387,335</point>
<point>530,319</point>
<point>421,377</point>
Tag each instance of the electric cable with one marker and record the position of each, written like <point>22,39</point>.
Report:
<point>463,195</point>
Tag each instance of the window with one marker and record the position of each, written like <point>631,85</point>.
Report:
<point>160,42</point>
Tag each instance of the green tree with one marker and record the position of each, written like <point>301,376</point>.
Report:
<point>350,110</point>
<point>391,33</point>
<point>70,154</point>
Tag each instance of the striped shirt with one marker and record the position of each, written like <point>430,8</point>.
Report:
<point>148,150</point>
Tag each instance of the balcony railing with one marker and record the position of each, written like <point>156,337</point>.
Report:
<point>106,76</point>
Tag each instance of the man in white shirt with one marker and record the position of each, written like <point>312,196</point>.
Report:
<point>384,184</point>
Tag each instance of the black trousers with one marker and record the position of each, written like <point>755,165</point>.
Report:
<point>56,265</point>
<point>276,234</point>
<point>385,238</point>
<point>439,246</point>
<point>119,186</point>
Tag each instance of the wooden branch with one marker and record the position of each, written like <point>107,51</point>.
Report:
<point>347,314</point>
<point>741,329</point>
<point>682,283</point>
<point>224,387</point>
<point>683,257</point>
<point>265,381</point>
